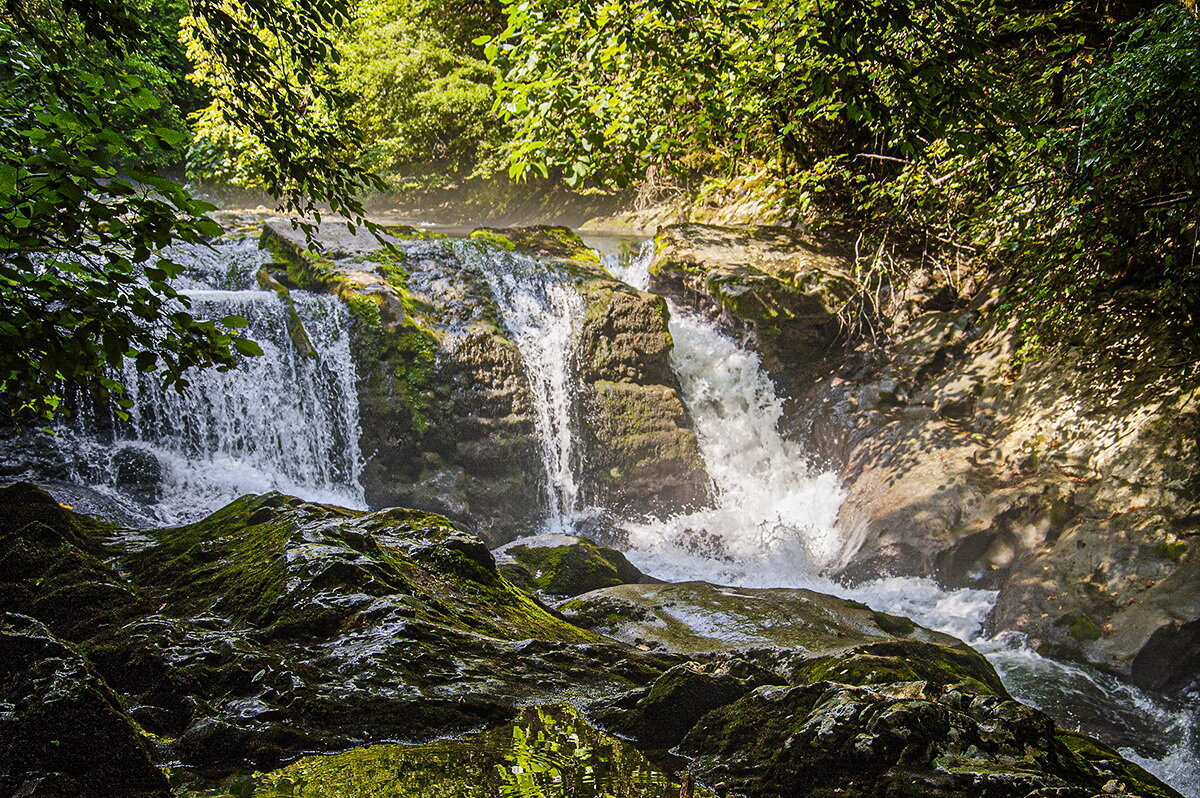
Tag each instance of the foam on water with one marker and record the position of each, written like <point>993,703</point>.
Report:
<point>285,420</point>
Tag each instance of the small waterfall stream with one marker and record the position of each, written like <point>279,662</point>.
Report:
<point>774,524</point>
<point>542,312</point>
<point>286,420</point>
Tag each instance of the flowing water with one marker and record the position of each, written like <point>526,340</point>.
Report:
<point>542,313</point>
<point>773,524</point>
<point>286,420</point>
<point>289,421</point>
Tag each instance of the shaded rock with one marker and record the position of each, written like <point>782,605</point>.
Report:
<point>901,738</point>
<point>137,472</point>
<point>283,627</point>
<point>63,732</point>
<point>564,565</point>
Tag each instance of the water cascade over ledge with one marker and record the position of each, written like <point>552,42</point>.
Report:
<point>286,420</point>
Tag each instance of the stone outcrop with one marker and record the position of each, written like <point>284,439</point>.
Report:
<point>446,408</point>
<point>276,627</point>
<point>565,565</point>
<point>781,289</point>
<point>638,453</point>
<point>446,413</point>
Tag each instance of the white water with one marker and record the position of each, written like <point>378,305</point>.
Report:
<point>280,421</point>
<point>542,313</point>
<point>774,525</point>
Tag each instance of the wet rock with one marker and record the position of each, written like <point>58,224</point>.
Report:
<point>62,730</point>
<point>565,565</point>
<point>782,288</point>
<point>691,617</point>
<point>137,472</point>
<point>447,412</point>
<point>277,627</point>
<point>901,738</point>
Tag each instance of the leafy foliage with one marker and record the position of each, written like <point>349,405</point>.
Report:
<point>1050,143</point>
<point>423,93</point>
<point>84,220</point>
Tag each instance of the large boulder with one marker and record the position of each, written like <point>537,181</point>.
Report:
<point>63,732</point>
<point>277,627</point>
<point>693,617</point>
<point>448,420</point>
<point>565,565</point>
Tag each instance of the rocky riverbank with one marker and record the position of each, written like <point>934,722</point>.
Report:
<point>277,627</point>
<point>1067,481</point>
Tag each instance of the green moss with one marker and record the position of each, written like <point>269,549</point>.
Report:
<point>494,238</point>
<point>544,240</point>
<point>574,569</point>
<point>1108,764</point>
<point>1081,627</point>
<point>1173,550</point>
<point>304,268</point>
<point>905,661</point>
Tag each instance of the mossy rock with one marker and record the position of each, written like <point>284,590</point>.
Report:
<point>691,617</point>
<point>63,731</point>
<point>897,739</point>
<point>542,240</point>
<point>563,565</point>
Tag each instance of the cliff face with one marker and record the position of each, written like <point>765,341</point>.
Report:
<point>448,415</point>
<point>1067,482</point>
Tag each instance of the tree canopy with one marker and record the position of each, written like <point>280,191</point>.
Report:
<point>88,111</point>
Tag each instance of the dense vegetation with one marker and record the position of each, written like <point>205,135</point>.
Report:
<point>1048,143</point>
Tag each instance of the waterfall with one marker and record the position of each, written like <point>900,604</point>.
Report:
<point>774,524</point>
<point>773,520</point>
<point>542,312</point>
<point>286,420</point>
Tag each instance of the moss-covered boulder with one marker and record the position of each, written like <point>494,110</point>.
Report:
<point>900,738</point>
<point>781,286</point>
<point>63,732</point>
<point>565,565</point>
<point>276,626</point>
<point>693,617</point>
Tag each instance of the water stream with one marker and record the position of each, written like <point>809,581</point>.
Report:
<point>286,420</point>
<point>289,421</point>
<point>542,313</point>
<point>773,524</point>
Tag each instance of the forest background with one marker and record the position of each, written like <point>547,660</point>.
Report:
<point>1051,145</point>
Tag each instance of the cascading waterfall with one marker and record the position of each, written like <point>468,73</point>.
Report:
<point>286,420</point>
<point>774,524</point>
<point>542,312</point>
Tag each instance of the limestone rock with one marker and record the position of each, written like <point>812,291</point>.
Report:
<point>783,288</point>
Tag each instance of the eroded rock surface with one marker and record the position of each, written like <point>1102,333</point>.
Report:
<point>447,413</point>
